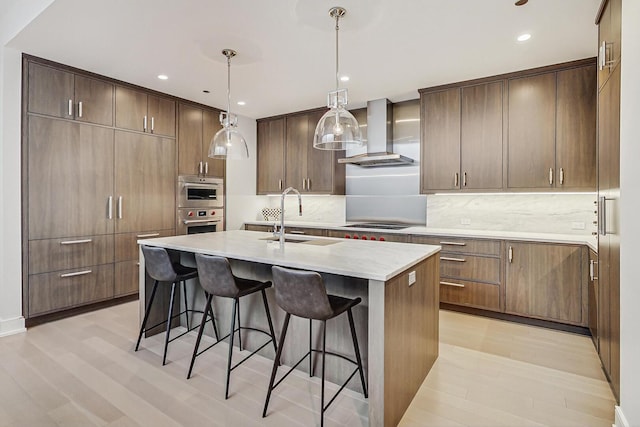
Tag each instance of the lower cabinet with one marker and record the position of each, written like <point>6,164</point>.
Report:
<point>547,281</point>
<point>288,230</point>
<point>592,293</point>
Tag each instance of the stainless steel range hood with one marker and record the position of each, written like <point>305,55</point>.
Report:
<point>380,138</point>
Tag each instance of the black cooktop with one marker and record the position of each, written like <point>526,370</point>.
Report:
<point>379,225</point>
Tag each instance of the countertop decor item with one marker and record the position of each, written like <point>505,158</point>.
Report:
<point>271,214</point>
<point>337,129</point>
<point>228,142</point>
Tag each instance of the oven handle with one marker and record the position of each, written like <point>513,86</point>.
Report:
<point>199,221</point>
<point>197,185</point>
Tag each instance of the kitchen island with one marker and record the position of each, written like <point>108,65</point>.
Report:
<point>397,321</point>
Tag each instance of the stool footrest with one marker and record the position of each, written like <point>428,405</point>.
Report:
<point>164,322</point>
<point>227,336</point>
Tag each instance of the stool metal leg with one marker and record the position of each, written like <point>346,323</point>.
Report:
<point>310,349</point>
<point>231,334</point>
<point>356,349</point>
<point>266,309</point>
<point>166,338</point>
<point>324,348</point>
<point>146,314</point>
<point>285,325</point>
<point>209,309</point>
<point>239,325</point>
<point>186,306</point>
<point>200,330</point>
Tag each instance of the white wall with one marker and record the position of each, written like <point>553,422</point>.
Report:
<point>629,222</point>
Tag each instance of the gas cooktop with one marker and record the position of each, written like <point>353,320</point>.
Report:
<point>379,225</point>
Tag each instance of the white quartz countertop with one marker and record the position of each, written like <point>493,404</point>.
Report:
<point>362,259</point>
<point>590,241</point>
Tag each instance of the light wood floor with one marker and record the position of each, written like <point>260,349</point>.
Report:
<point>82,371</point>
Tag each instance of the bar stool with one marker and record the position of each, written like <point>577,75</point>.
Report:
<point>217,280</point>
<point>303,294</point>
<point>162,269</point>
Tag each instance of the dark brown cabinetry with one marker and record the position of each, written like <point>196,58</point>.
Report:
<point>593,297</point>
<point>547,282</point>
<point>196,128</point>
<point>288,230</point>
<point>60,93</point>
<point>286,157</point>
<point>608,325</point>
<point>144,112</point>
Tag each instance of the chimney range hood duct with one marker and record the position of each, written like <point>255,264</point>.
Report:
<point>380,138</point>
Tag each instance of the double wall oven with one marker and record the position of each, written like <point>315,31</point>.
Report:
<point>200,204</point>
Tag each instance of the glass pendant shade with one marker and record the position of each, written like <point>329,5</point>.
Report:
<point>228,143</point>
<point>337,130</point>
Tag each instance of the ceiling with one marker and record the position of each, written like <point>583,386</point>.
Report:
<point>286,48</point>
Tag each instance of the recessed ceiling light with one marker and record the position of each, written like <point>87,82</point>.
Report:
<point>242,103</point>
<point>163,76</point>
<point>205,91</point>
<point>521,2</point>
<point>344,78</point>
<point>524,37</point>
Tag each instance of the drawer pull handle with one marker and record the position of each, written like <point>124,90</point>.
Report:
<point>141,236</point>
<point>453,243</point>
<point>296,232</point>
<point>457,285</point>
<point>75,242</point>
<point>444,258</point>
<point>77,273</point>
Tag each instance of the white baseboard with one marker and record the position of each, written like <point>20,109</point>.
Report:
<point>12,326</point>
<point>621,421</point>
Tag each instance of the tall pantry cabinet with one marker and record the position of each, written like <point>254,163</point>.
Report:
<point>90,188</point>
<point>608,325</point>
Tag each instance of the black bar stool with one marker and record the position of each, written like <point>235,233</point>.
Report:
<point>162,269</point>
<point>303,294</point>
<point>217,280</point>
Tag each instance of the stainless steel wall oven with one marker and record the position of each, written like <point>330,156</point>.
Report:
<point>200,204</point>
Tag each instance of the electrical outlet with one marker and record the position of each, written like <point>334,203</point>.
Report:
<point>412,278</point>
<point>577,225</point>
<point>465,221</point>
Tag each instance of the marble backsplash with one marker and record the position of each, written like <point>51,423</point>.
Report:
<point>541,213</point>
<point>315,208</point>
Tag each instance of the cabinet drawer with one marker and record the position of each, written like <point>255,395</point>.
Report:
<point>64,254</point>
<point>455,244</point>
<point>127,243</point>
<point>126,278</point>
<point>252,227</point>
<point>469,267</point>
<point>461,292</point>
<point>69,288</point>
<point>304,230</point>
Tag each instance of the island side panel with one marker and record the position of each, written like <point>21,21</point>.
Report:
<point>410,335</point>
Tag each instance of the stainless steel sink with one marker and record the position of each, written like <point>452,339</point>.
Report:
<point>287,239</point>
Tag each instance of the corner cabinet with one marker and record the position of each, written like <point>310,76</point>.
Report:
<point>547,281</point>
<point>286,157</point>
<point>196,128</point>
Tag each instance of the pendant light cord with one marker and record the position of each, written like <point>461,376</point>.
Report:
<point>337,69</point>
<point>228,91</point>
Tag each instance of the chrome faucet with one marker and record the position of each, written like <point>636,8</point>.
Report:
<point>284,193</point>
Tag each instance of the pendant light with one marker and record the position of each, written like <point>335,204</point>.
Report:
<point>228,142</point>
<point>337,129</point>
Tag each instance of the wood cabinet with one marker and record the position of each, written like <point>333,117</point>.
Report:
<point>551,137</point>
<point>63,94</point>
<point>286,157</point>
<point>145,112</point>
<point>470,271</point>
<point>310,231</point>
<point>592,291</point>
<point>547,281</point>
<point>609,38</point>
<point>462,138</point>
<point>196,128</point>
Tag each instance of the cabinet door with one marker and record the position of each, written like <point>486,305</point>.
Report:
<point>50,91</point>
<point>481,136</point>
<point>576,129</point>
<point>144,182</point>
<point>211,125</point>
<point>94,101</point>
<point>440,161</point>
<point>546,281</point>
<point>131,109</point>
<point>270,153</point>
<point>593,297</point>
<point>532,116</point>
<point>70,179</point>
<point>189,140</point>
<point>320,163</point>
<point>297,132</point>
<point>161,115</point>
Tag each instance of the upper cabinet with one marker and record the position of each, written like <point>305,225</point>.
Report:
<point>59,93</point>
<point>196,128</point>
<point>286,157</point>
<point>144,112</point>
<point>609,38</point>
<point>552,128</point>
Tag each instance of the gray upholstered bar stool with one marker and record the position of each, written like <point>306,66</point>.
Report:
<point>303,294</point>
<point>162,269</point>
<point>217,279</point>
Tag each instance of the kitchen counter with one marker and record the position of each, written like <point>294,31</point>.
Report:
<point>590,241</point>
<point>397,321</point>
